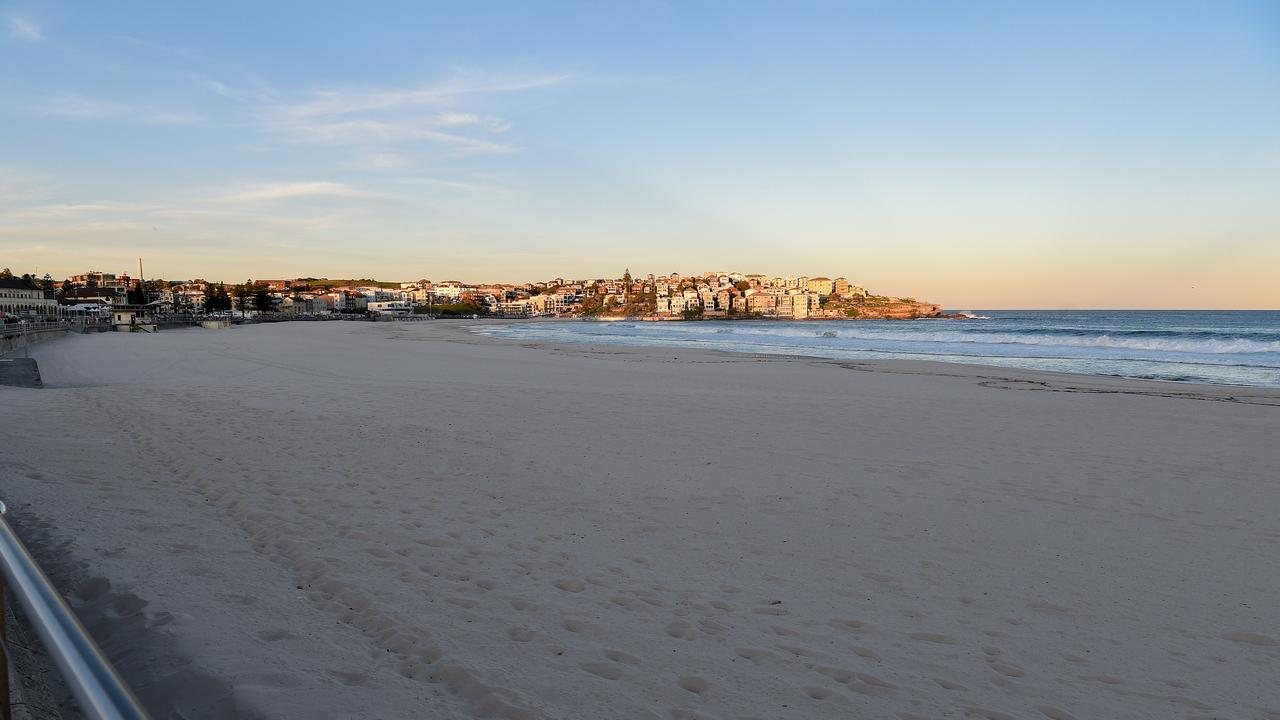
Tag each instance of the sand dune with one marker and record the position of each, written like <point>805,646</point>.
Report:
<point>402,521</point>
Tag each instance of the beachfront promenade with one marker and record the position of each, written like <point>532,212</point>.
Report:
<point>387,520</point>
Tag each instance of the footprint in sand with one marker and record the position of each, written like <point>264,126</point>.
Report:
<point>619,656</point>
<point>755,655</point>
<point>1008,669</point>
<point>840,675</point>
<point>521,633</point>
<point>865,652</point>
<point>608,671</point>
<point>1250,639</point>
<point>681,630</point>
<point>1054,713</point>
<point>350,678</point>
<point>770,610</point>
<point>818,693</point>
<point>935,638</point>
<point>694,684</point>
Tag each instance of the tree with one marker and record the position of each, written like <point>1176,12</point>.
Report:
<point>216,298</point>
<point>47,284</point>
<point>242,295</point>
<point>6,274</point>
<point>136,295</point>
<point>262,300</point>
<point>692,313</point>
<point>743,286</point>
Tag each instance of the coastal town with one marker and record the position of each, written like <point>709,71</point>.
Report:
<point>709,295</point>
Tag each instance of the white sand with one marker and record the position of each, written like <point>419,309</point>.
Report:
<point>392,521</point>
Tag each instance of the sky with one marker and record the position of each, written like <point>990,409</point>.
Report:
<point>977,154</point>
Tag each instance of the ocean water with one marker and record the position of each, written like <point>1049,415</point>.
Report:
<point>1227,347</point>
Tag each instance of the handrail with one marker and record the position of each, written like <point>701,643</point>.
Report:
<point>98,689</point>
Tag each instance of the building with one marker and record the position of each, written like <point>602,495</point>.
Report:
<point>551,303</point>
<point>762,303</point>
<point>95,278</point>
<point>821,286</point>
<point>798,306</point>
<point>19,296</point>
<point>394,308</point>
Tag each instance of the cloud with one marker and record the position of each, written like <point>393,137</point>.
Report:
<point>270,192</point>
<point>453,119</point>
<point>379,161</point>
<point>452,184</point>
<point>15,186</point>
<point>458,119</point>
<point>384,132</point>
<point>379,123</point>
<point>21,28</point>
<point>71,105</point>
<point>345,102</point>
<point>78,106</point>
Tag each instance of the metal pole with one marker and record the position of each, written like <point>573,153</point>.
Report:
<point>6,709</point>
<point>98,689</point>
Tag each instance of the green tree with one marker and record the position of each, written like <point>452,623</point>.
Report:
<point>216,298</point>
<point>262,300</point>
<point>136,295</point>
<point>242,295</point>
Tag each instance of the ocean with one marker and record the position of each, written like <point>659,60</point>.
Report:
<point>1225,347</point>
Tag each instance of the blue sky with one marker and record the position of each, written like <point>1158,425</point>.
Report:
<point>981,154</point>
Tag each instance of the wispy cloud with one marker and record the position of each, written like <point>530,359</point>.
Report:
<point>255,91</point>
<point>446,184</point>
<point>71,105</point>
<point>458,119</point>
<point>388,132</point>
<point>16,187</point>
<point>346,102</point>
<point>185,53</point>
<point>384,118</point>
<point>271,192</point>
<point>21,28</point>
<point>379,160</point>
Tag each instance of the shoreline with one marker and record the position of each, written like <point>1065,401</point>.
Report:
<point>1079,382</point>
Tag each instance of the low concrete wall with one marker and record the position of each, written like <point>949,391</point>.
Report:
<point>14,343</point>
<point>11,344</point>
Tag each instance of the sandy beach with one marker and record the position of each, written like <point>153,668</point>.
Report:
<point>406,520</point>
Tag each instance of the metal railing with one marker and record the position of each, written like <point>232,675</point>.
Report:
<point>98,689</point>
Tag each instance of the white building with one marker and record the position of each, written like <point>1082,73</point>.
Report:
<point>23,297</point>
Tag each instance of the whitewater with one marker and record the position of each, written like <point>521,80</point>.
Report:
<point>1222,347</point>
